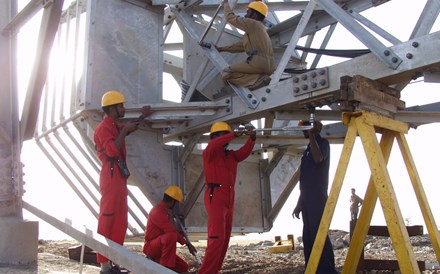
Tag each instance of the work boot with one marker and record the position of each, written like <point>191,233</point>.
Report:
<point>261,82</point>
<point>110,271</point>
<point>114,270</point>
<point>120,269</point>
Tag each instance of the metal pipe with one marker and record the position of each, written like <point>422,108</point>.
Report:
<point>61,124</point>
<point>71,184</point>
<point>32,8</point>
<point>81,149</point>
<point>65,68</point>
<point>44,114</point>
<point>81,259</point>
<point>202,67</point>
<point>115,252</point>
<point>74,173</point>
<point>298,128</point>
<point>77,162</point>
<point>210,23</point>
<point>138,204</point>
<point>73,92</point>
<point>133,215</point>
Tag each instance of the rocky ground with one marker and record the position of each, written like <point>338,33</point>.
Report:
<point>242,257</point>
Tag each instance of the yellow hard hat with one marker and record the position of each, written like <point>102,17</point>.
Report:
<point>259,6</point>
<point>112,97</point>
<point>220,126</point>
<point>174,192</point>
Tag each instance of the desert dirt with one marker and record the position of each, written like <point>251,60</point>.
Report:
<point>242,256</point>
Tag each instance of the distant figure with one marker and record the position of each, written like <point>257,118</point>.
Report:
<point>161,234</point>
<point>254,72</point>
<point>356,202</point>
<point>313,187</point>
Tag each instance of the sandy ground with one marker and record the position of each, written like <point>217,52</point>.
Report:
<point>242,257</point>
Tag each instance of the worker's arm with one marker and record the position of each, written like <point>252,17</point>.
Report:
<point>132,126</point>
<point>165,224</point>
<point>237,47</point>
<point>245,24</point>
<point>217,145</point>
<point>247,148</point>
<point>298,208</point>
<point>106,142</point>
<point>318,153</point>
<point>315,149</point>
<point>182,231</point>
<point>128,128</point>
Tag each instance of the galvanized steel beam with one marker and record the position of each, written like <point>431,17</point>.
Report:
<point>387,55</point>
<point>48,29</point>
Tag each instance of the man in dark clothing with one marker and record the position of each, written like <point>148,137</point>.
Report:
<point>161,234</point>
<point>220,167</point>
<point>315,164</point>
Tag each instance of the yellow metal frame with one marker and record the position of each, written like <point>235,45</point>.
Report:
<point>380,186</point>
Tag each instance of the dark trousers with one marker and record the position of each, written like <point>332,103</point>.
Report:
<point>312,210</point>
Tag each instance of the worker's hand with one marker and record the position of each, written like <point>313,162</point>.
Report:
<point>316,129</point>
<point>296,212</point>
<point>146,111</point>
<point>250,130</point>
<point>191,248</point>
<point>239,132</point>
<point>252,134</point>
<point>130,127</point>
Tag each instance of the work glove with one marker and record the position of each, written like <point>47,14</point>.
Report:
<point>250,130</point>
<point>146,111</point>
<point>239,132</point>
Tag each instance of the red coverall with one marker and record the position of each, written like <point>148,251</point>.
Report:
<point>113,207</point>
<point>161,237</point>
<point>220,167</point>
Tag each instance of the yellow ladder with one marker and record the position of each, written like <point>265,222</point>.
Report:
<point>365,124</point>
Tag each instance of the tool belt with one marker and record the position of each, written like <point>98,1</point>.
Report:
<point>212,187</point>
<point>250,54</point>
<point>122,165</point>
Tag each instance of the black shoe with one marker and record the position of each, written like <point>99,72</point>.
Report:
<point>110,271</point>
<point>120,269</point>
<point>114,270</point>
<point>261,82</point>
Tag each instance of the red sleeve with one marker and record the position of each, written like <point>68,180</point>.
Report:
<point>162,221</point>
<point>217,145</point>
<point>105,139</point>
<point>244,151</point>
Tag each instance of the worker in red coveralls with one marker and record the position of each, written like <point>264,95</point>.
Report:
<point>161,234</point>
<point>220,167</point>
<point>109,140</point>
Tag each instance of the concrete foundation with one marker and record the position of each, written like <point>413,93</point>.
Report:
<point>18,241</point>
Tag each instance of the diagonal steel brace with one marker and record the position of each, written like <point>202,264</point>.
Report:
<point>215,57</point>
